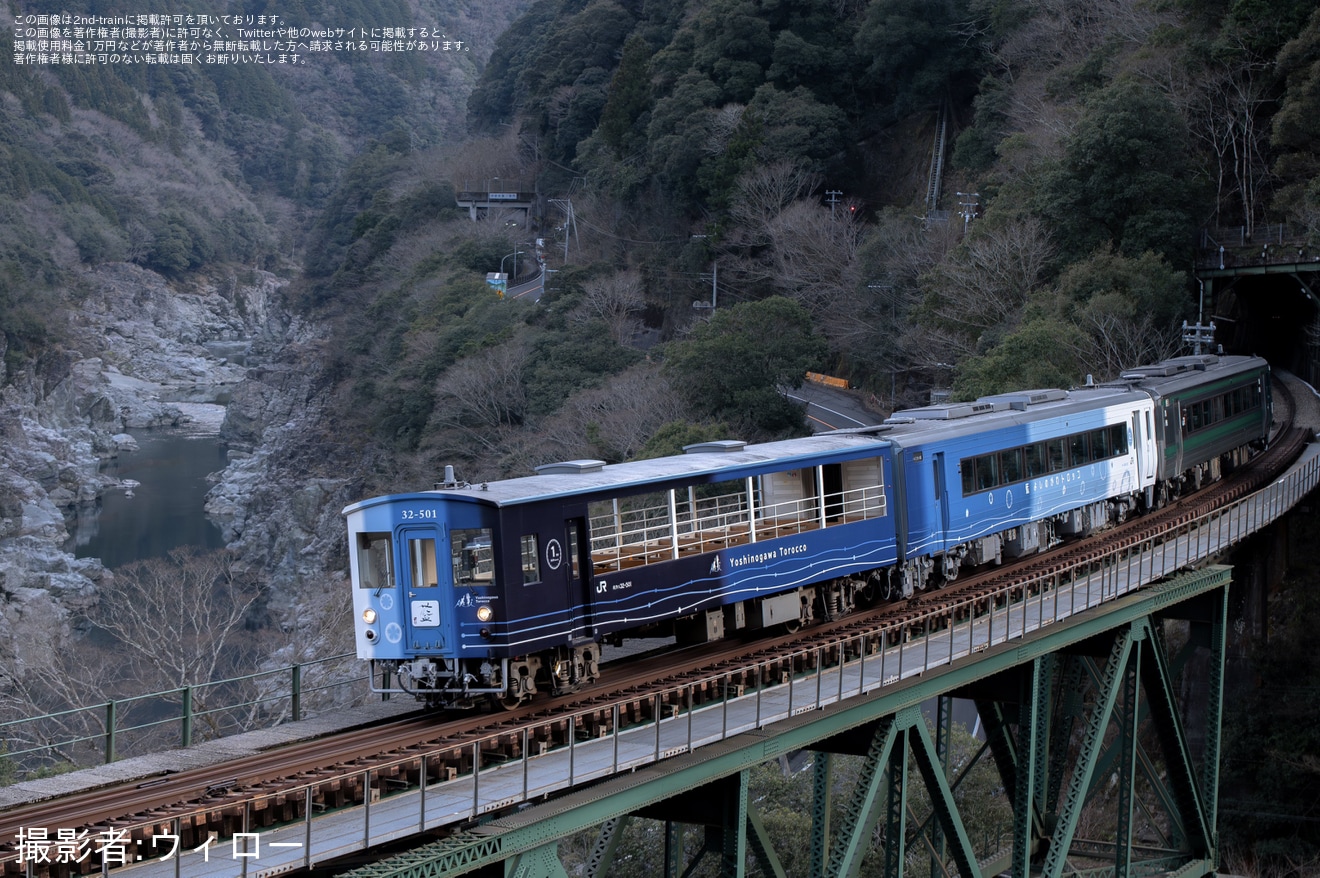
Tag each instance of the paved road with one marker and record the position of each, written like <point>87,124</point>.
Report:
<point>531,289</point>
<point>830,409</point>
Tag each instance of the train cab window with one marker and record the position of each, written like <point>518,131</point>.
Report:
<point>421,563</point>
<point>375,561</point>
<point>472,556</point>
<point>531,559</point>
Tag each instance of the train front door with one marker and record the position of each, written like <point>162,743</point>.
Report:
<point>428,613</point>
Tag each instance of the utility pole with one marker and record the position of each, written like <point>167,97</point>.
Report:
<point>714,281</point>
<point>1202,333</point>
<point>570,223</point>
<point>833,199</point>
<point>967,208</point>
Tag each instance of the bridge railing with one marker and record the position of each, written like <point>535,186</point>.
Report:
<point>1242,236</point>
<point>1240,246</point>
<point>99,733</point>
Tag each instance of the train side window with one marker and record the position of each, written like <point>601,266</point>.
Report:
<point>421,563</point>
<point>967,467</point>
<point>1056,455</point>
<point>1010,466</point>
<point>531,559</point>
<point>1035,460</point>
<point>986,477</point>
<point>472,556</point>
<point>1118,440</point>
<point>1077,450</point>
<point>375,561</point>
<point>1099,442</point>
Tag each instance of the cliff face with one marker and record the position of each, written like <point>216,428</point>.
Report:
<point>138,344</point>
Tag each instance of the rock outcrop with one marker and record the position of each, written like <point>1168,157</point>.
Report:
<point>137,346</point>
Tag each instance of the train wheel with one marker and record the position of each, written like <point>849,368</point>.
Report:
<point>504,702</point>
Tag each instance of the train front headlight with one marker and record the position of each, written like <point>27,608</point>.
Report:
<point>369,616</point>
<point>485,613</point>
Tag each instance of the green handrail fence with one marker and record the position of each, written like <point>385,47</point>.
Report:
<point>81,737</point>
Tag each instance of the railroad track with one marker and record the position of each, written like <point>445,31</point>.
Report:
<point>331,772</point>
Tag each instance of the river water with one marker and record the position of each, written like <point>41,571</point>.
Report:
<point>165,510</point>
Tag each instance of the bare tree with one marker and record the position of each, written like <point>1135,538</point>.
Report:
<point>984,284</point>
<point>724,122</point>
<point>179,621</point>
<point>161,625</point>
<point>1118,341</point>
<point>483,394</point>
<point>45,695</point>
<point>484,159</point>
<point>616,300</point>
<point>613,421</point>
<point>763,193</point>
<point>312,628</point>
<point>1224,105</point>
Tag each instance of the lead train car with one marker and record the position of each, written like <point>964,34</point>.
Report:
<point>507,588</point>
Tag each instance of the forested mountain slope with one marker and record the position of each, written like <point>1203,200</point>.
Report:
<point>185,168</point>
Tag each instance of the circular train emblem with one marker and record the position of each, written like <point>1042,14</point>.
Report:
<point>1008,499</point>
<point>554,554</point>
<point>393,632</point>
<point>386,600</point>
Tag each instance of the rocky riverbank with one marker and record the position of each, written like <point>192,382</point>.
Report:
<point>137,345</point>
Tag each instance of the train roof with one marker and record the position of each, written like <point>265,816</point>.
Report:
<point>1186,373</point>
<point>954,420</point>
<point>1168,377</point>
<point>717,461</point>
<point>729,459</point>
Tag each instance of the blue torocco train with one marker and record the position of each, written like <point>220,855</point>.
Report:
<point>505,589</point>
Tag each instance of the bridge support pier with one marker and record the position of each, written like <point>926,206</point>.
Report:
<point>1104,701</point>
